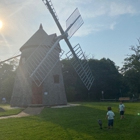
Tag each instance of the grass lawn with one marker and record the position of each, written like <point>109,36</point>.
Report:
<point>74,123</point>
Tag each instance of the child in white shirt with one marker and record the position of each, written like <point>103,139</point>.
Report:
<point>110,115</point>
<point>121,109</point>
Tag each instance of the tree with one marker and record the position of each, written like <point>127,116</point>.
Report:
<point>75,90</point>
<point>107,79</point>
<point>131,71</point>
<point>7,76</point>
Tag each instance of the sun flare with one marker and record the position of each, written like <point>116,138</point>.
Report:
<point>0,24</point>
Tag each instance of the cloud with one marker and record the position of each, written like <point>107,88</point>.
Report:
<point>106,8</point>
<point>89,29</point>
<point>121,9</point>
<point>112,26</point>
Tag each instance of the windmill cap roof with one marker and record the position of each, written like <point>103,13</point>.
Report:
<point>38,37</point>
<point>41,27</point>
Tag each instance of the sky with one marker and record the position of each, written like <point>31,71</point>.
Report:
<point>110,26</point>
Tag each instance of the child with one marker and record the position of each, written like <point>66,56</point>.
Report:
<point>121,109</point>
<point>110,115</point>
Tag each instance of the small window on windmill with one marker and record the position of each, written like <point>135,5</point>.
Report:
<point>56,78</point>
<point>23,60</point>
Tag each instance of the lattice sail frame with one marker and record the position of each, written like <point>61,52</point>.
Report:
<point>46,2</point>
<point>42,61</point>
<point>81,66</point>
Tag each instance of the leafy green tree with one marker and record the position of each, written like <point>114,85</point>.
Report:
<point>107,79</point>
<point>131,71</point>
<point>7,76</point>
<point>75,90</point>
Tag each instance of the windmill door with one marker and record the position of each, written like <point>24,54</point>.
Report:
<point>36,94</point>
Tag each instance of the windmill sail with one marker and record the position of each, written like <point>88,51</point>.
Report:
<point>73,23</point>
<point>81,66</point>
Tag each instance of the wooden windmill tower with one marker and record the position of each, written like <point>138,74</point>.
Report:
<point>39,77</point>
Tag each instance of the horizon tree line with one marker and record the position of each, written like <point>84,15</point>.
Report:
<point>111,82</point>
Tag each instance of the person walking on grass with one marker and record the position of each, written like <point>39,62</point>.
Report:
<point>121,109</point>
<point>110,116</point>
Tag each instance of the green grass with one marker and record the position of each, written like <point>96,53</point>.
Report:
<point>74,123</point>
<point>9,110</point>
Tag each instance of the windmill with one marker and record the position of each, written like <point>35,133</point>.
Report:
<point>42,62</point>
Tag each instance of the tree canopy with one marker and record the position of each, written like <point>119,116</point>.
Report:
<point>107,79</point>
<point>7,76</point>
<point>131,71</point>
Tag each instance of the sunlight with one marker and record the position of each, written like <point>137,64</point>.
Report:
<point>0,24</point>
<point>6,42</point>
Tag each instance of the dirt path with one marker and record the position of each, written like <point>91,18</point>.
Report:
<point>27,112</point>
<point>35,111</point>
